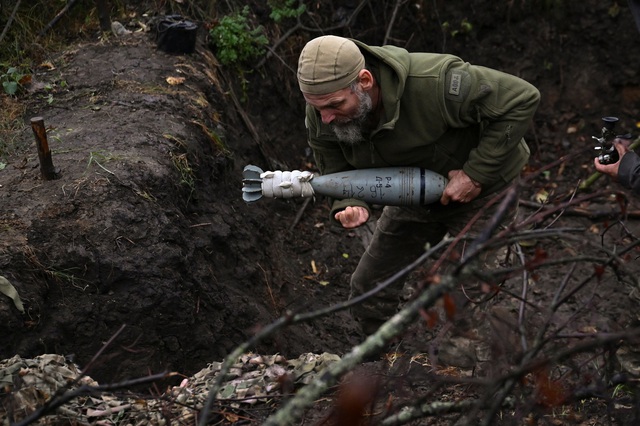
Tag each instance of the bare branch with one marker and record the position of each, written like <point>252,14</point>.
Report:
<point>10,20</point>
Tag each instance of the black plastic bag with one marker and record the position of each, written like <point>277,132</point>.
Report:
<point>175,34</point>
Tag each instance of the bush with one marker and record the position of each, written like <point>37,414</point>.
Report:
<point>235,42</point>
<point>281,9</point>
<point>12,81</point>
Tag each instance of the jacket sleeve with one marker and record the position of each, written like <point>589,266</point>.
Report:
<point>329,159</point>
<point>501,103</point>
<point>629,172</point>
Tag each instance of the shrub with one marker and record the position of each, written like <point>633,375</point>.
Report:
<point>234,41</point>
<point>281,9</point>
<point>12,81</point>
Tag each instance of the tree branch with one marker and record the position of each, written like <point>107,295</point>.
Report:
<point>10,20</point>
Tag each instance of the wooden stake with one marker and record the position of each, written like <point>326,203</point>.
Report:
<point>46,164</point>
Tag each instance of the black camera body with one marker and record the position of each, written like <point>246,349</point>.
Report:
<point>607,153</point>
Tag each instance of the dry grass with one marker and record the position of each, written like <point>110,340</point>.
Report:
<point>11,124</point>
<point>24,46</point>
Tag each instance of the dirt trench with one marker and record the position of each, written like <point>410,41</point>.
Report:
<point>145,226</point>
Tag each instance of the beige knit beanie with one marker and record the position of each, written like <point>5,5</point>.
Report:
<point>328,64</point>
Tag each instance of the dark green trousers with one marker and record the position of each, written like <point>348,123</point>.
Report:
<point>400,237</point>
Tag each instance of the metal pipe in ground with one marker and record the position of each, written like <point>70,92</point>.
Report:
<point>44,154</point>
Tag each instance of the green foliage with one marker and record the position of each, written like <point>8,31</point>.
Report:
<point>235,41</point>
<point>614,10</point>
<point>465,27</point>
<point>282,9</point>
<point>11,81</point>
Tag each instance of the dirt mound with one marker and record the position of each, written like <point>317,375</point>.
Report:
<point>145,225</point>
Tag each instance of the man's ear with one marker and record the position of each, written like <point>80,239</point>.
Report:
<point>366,79</point>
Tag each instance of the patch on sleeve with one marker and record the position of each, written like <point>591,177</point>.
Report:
<point>457,86</point>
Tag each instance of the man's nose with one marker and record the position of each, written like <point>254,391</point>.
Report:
<point>327,117</point>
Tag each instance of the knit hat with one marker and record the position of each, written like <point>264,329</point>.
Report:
<point>328,64</point>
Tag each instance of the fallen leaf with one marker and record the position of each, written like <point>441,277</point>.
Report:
<point>588,329</point>
<point>230,417</point>
<point>10,291</point>
<point>541,196</point>
<point>599,271</point>
<point>430,317</point>
<point>25,80</point>
<point>449,306</point>
<point>175,80</point>
<point>549,393</point>
<point>561,169</point>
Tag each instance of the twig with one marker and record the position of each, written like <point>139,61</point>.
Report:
<point>543,214</point>
<point>278,42</point>
<point>436,408</point>
<point>525,291</point>
<point>529,365</point>
<point>540,341</point>
<point>292,411</point>
<point>273,300</point>
<point>300,213</point>
<point>300,26</point>
<point>509,199</point>
<point>58,401</point>
<point>573,194</point>
<point>580,211</point>
<point>444,34</point>
<point>270,156</point>
<point>59,398</point>
<point>55,20</point>
<point>291,319</point>
<point>399,3</point>
<point>100,352</point>
<point>13,15</point>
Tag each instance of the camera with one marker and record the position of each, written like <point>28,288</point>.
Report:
<point>607,153</point>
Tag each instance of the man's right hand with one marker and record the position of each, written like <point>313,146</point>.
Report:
<point>352,217</point>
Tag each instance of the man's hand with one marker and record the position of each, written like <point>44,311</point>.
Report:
<point>622,146</point>
<point>461,188</point>
<point>352,217</point>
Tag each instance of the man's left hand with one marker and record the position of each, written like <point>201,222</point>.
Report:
<point>461,188</point>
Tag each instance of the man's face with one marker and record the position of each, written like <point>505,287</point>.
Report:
<point>346,111</point>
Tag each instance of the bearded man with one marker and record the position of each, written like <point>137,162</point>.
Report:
<point>382,106</point>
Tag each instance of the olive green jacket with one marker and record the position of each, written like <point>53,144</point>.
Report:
<point>440,113</point>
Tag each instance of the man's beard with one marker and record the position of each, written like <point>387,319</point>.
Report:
<point>351,131</point>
